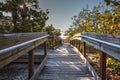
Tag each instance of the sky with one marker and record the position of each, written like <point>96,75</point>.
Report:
<point>61,11</point>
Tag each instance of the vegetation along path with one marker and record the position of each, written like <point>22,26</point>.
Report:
<point>64,64</point>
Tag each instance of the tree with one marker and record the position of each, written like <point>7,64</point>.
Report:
<point>11,6</point>
<point>100,20</point>
<point>26,15</point>
<point>40,17</point>
<point>112,2</point>
<point>51,30</point>
<point>6,25</point>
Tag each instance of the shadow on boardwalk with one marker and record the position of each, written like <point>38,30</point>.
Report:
<point>64,64</point>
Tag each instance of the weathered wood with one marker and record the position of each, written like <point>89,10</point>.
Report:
<point>110,47</point>
<point>24,59</point>
<point>77,36</point>
<point>64,64</point>
<point>94,73</point>
<point>84,49</point>
<point>79,45</point>
<point>7,40</point>
<point>108,44</point>
<point>75,42</point>
<point>13,55</point>
<point>45,48</point>
<point>104,37</point>
<point>39,69</point>
<point>103,65</point>
<point>31,64</point>
<point>53,42</point>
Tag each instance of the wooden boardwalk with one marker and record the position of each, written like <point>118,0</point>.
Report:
<point>64,64</point>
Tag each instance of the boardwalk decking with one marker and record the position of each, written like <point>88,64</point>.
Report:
<point>64,64</point>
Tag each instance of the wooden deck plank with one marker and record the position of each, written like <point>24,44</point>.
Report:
<point>64,64</point>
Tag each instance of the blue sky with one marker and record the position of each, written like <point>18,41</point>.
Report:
<point>61,11</point>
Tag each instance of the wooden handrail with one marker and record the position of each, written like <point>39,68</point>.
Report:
<point>10,54</point>
<point>109,48</point>
<point>99,41</point>
<point>26,45</point>
<point>21,45</point>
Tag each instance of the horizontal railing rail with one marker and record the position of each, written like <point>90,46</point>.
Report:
<point>8,55</point>
<point>21,44</point>
<point>107,44</point>
<point>109,48</point>
<point>102,42</point>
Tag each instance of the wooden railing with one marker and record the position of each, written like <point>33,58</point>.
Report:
<point>107,44</point>
<point>23,46</point>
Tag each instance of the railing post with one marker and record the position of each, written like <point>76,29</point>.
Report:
<point>75,43</point>
<point>53,42</point>
<point>61,41</point>
<point>79,45</point>
<point>31,63</point>
<point>72,42</point>
<point>45,48</point>
<point>103,65</point>
<point>84,49</point>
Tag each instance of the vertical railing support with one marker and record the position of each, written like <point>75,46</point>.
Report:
<point>61,41</point>
<point>75,43</point>
<point>79,45</point>
<point>84,49</point>
<point>53,42</point>
<point>45,48</point>
<point>71,42</point>
<point>103,65</point>
<point>31,63</point>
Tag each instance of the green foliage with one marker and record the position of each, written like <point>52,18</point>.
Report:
<point>100,19</point>
<point>25,15</point>
<point>6,24</point>
<point>51,30</point>
<point>112,2</point>
<point>40,18</point>
<point>113,68</point>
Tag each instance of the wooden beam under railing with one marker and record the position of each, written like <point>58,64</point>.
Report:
<point>105,43</point>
